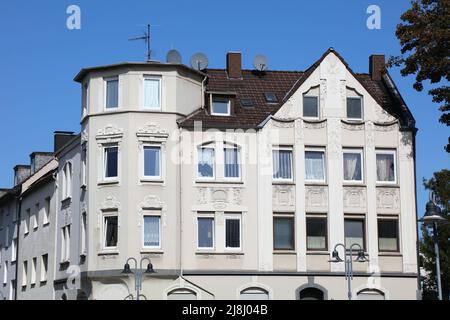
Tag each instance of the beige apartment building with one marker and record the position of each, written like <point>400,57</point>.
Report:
<point>238,184</point>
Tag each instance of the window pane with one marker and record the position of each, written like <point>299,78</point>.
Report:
<point>112,93</point>
<point>231,162</point>
<point>220,106</point>
<point>206,162</point>
<point>354,232</point>
<point>354,108</point>
<point>111,160</point>
<point>316,229</point>
<point>152,161</point>
<point>385,167</point>
<point>205,232</point>
<point>282,164</point>
<point>232,233</point>
<point>310,107</point>
<point>314,165</point>
<point>352,167</point>
<point>151,231</point>
<point>152,99</point>
<point>283,233</point>
<point>388,235</point>
<point>111,231</point>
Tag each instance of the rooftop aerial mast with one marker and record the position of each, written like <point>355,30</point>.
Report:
<point>146,38</point>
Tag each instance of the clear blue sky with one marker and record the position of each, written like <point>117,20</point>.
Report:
<point>39,56</point>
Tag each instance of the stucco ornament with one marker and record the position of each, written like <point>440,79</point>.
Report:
<point>109,134</point>
<point>388,198</point>
<point>152,132</point>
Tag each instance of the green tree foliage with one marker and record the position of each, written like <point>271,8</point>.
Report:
<point>440,185</point>
<point>424,35</point>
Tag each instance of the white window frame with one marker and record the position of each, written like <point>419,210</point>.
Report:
<point>26,225</point>
<point>83,168</point>
<point>46,211</point>
<point>13,250</point>
<point>5,272</point>
<point>361,153</point>
<point>105,90</point>
<point>232,216</point>
<point>105,178</point>
<point>239,159</point>
<point>36,217</point>
<point>152,178</point>
<point>33,271</point>
<point>365,228</point>
<point>284,148</point>
<point>107,214</point>
<point>67,181</point>
<point>303,107</point>
<point>159,79</point>
<point>44,269</point>
<point>210,216</point>
<point>362,108</point>
<point>86,93</point>
<point>65,244</point>
<point>387,151</point>
<point>324,164</point>
<point>83,233</point>
<point>399,243</point>
<point>24,273</point>
<point>221,99</point>
<point>152,213</point>
<point>206,146</point>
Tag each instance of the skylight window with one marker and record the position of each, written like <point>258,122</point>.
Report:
<point>271,97</point>
<point>246,102</point>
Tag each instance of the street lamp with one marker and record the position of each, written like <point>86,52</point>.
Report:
<point>361,257</point>
<point>138,273</point>
<point>432,217</point>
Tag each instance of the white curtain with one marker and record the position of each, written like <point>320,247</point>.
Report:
<point>231,162</point>
<point>352,166</point>
<point>316,242</point>
<point>387,244</point>
<point>314,164</point>
<point>151,231</point>
<point>385,167</point>
<point>282,164</point>
<point>206,162</point>
<point>152,94</point>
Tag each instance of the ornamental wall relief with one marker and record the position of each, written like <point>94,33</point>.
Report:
<point>283,196</point>
<point>388,199</point>
<point>355,197</point>
<point>219,198</point>
<point>316,197</point>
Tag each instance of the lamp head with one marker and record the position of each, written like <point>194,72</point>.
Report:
<point>335,256</point>
<point>432,214</point>
<point>150,269</point>
<point>127,269</point>
<point>361,256</point>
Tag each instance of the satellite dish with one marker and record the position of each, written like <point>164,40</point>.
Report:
<point>260,62</point>
<point>199,61</point>
<point>173,56</point>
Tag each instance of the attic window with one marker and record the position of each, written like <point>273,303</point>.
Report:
<point>271,97</point>
<point>246,102</point>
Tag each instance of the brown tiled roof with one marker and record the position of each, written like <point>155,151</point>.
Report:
<point>254,84</point>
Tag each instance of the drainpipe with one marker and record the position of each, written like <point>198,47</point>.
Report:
<point>180,192</point>
<point>18,207</point>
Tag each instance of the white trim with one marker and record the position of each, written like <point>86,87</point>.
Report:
<point>359,151</point>
<point>210,216</point>
<point>152,77</point>
<point>105,178</point>
<point>105,81</point>
<point>386,151</point>
<point>232,216</point>
<point>324,164</point>
<point>284,148</point>
<point>221,100</point>
<point>151,213</point>
<point>108,214</point>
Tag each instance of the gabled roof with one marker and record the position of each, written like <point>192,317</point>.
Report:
<point>285,83</point>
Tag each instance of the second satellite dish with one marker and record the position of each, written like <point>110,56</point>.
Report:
<point>260,62</point>
<point>199,61</point>
<point>173,56</point>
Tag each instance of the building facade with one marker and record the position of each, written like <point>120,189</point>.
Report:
<point>237,184</point>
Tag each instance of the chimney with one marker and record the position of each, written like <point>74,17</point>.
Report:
<point>21,173</point>
<point>61,139</point>
<point>234,68</point>
<point>39,159</point>
<point>376,66</point>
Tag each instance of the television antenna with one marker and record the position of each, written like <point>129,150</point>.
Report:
<point>260,62</point>
<point>146,38</point>
<point>199,61</point>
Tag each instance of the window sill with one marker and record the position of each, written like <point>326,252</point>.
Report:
<point>287,252</point>
<point>283,182</point>
<point>318,253</point>
<point>108,252</point>
<point>43,282</point>
<point>390,254</point>
<point>215,253</point>
<point>316,183</point>
<point>66,201</point>
<point>220,181</point>
<point>387,185</point>
<point>45,224</point>
<point>353,184</point>
<point>151,180</point>
<point>65,262</point>
<point>152,251</point>
<point>106,183</point>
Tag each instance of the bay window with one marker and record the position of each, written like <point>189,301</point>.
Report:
<point>152,162</point>
<point>111,162</point>
<point>112,93</point>
<point>152,93</point>
<point>110,231</point>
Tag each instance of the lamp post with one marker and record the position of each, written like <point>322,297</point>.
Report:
<point>432,217</point>
<point>361,257</point>
<point>138,273</point>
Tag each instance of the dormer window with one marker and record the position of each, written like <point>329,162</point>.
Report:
<point>270,97</point>
<point>220,107</point>
<point>354,108</point>
<point>246,102</point>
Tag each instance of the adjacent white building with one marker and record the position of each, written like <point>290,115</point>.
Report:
<point>236,184</point>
